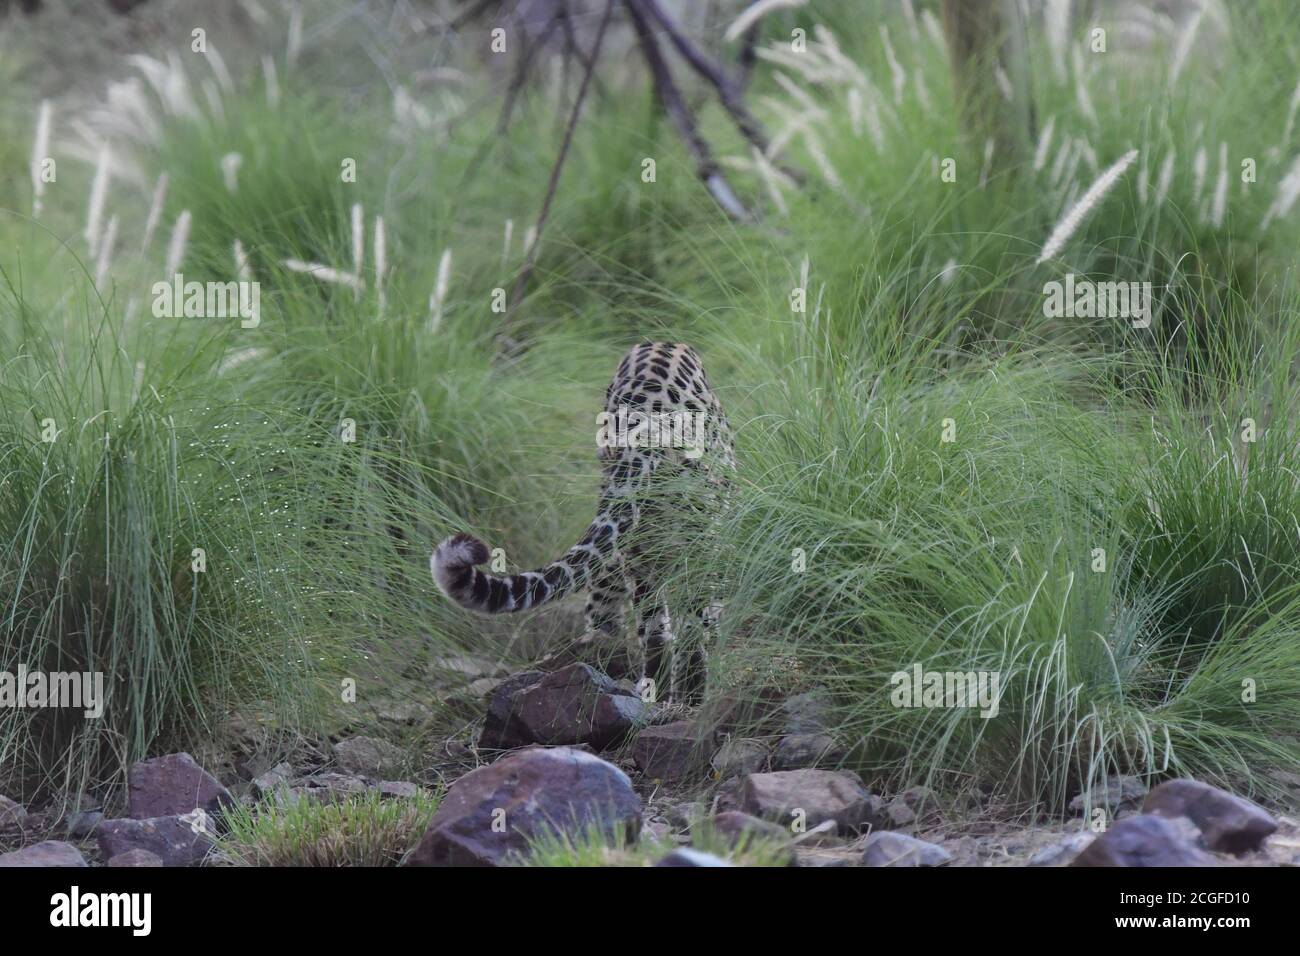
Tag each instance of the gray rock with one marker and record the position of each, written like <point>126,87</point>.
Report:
<point>1228,823</point>
<point>885,848</point>
<point>178,840</point>
<point>820,794</point>
<point>493,812</point>
<point>800,751</point>
<point>577,704</point>
<point>672,752</point>
<point>740,756</point>
<point>368,756</point>
<point>807,713</point>
<point>921,800</point>
<point>135,859</point>
<point>12,814</point>
<point>51,853</point>
<point>502,728</point>
<point>171,785</point>
<point>684,856</point>
<point>327,787</point>
<point>275,778</point>
<point>899,814</point>
<point>1063,852</point>
<point>397,790</point>
<point>1116,793</point>
<point>82,823</point>
<point>1140,841</point>
<point>739,829</point>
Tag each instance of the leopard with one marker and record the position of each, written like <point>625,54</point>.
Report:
<point>667,459</point>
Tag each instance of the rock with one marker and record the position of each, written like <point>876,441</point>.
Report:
<point>467,667</point>
<point>171,785</point>
<point>1144,840</point>
<point>368,756</point>
<point>405,712</point>
<point>577,704</point>
<point>397,790</point>
<point>800,751</point>
<point>47,854</point>
<point>1228,823</point>
<point>741,828</point>
<point>12,814</point>
<point>807,713</point>
<point>740,756</point>
<point>821,795</point>
<point>1116,793</point>
<point>502,728</point>
<point>684,856</point>
<point>325,787</point>
<point>493,812</point>
<point>921,800</point>
<point>136,858</point>
<point>275,778</point>
<point>672,752</point>
<point>827,857</point>
<point>178,840</point>
<point>884,848</point>
<point>899,814</point>
<point>82,823</point>
<point>1063,852</point>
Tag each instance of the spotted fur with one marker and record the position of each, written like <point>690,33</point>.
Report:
<point>617,561</point>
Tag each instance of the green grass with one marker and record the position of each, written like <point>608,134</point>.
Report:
<point>591,847</point>
<point>356,831</point>
<point>923,305</point>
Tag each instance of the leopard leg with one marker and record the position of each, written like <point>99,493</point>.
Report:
<point>607,599</point>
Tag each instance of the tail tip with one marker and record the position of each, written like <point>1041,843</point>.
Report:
<point>461,550</point>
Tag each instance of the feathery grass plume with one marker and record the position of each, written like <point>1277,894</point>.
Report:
<point>293,43</point>
<point>1056,15</point>
<point>770,177</point>
<point>242,269</point>
<point>1081,88</point>
<point>40,152</point>
<point>530,239</point>
<point>324,273</point>
<point>814,146</point>
<point>948,273</point>
<point>230,164</point>
<point>931,24</point>
<point>755,12</point>
<point>179,240</point>
<point>272,82</point>
<point>909,15</point>
<point>923,91</point>
<point>1184,46</point>
<point>155,210</point>
<point>1220,204</point>
<point>1095,194</point>
<point>380,242</point>
<point>505,242</point>
<point>215,107</point>
<point>1143,182</point>
<point>854,103</point>
<point>1288,191</point>
<point>439,296</point>
<point>105,252</point>
<point>218,65</point>
<point>988,162</point>
<point>98,193</point>
<point>1004,83</point>
<point>1290,118</point>
<point>1063,154</point>
<point>358,238</point>
<point>1199,164</point>
<point>1165,178</point>
<point>896,71</point>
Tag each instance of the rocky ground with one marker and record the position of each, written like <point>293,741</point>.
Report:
<point>571,748</point>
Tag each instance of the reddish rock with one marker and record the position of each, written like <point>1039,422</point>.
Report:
<point>1228,823</point>
<point>136,858</point>
<point>176,840</point>
<point>1143,841</point>
<point>493,812</point>
<point>502,728</point>
<point>813,796</point>
<point>171,785</point>
<point>578,704</point>
<point>51,853</point>
<point>674,752</point>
